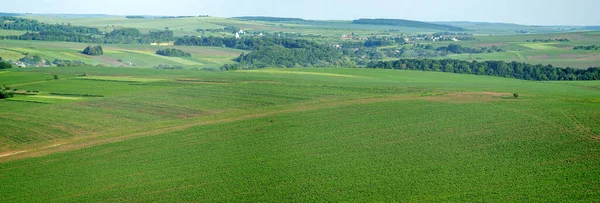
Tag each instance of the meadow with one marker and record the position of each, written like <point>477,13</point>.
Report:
<point>296,135</point>
<point>119,54</point>
<point>123,131</point>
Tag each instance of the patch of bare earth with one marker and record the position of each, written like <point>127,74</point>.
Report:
<point>469,97</point>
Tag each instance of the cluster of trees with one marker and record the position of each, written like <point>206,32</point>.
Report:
<point>14,23</point>
<point>379,42</point>
<point>68,63</point>
<point>230,29</point>
<point>458,49</point>
<point>492,68</point>
<point>590,47</point>
<point>68,33</point>
<point>440,34</point>
<point>173,52</point>
<point>34,60</point>
<point>133,36</point>
<point>118,36</point>
<point>93,50</point>
<point>246,43</point>
<point>5,92</point>
<point>549,40</point>
<point>407,23</point>
<point>168,67</point>
<point>134,17</point>
<point>4,64</point>
<point>280,56</point>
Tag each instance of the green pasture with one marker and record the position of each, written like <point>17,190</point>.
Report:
<point>138,55</point>
<point>297,135</point>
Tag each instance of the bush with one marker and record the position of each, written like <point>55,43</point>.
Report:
<point>56,77</point>
<point>516,95</point>
<point>93,51</point>
<point>5,65</point>
<point>5,93</point>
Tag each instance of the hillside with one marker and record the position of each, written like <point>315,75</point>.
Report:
<point>295,135</point>
<point>268,19</point>
<point>407,23</point>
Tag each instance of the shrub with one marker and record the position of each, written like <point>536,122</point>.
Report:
<point>93,51</point>
<point>5,94</point>
<point>516,95</point>
<point>5,65</point>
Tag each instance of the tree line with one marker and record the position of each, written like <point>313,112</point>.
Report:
<point>590,47</point>
<point>14,23</point>
<point>117,36</point>
<point>513,69</point>
<point>458,49</point>
<point>549,40</point>
<point>246,43</point>
<point>173,53</point>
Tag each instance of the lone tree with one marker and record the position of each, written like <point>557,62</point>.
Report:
<point>93,51</point>
<point>516,95</point>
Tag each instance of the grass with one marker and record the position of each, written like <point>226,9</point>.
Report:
<point>300,135</point>
<point>119,79</point>
<point>138,55</point>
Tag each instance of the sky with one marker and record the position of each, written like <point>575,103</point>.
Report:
<point>529,12</point>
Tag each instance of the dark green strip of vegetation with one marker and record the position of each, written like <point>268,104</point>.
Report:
<point>590,47</point>
<point>173,53</point>
<point>14,23</point>
<point>513,69</point>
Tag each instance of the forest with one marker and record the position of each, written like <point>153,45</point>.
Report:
<point>14,23</point>
<point>513,69</point>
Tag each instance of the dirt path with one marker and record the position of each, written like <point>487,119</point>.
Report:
<point>518,55</point>
<point>84,142</point>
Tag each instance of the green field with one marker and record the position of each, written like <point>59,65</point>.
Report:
<point>508,37</point>
<point>138,55</point>
<point>296,135</point>
<point>120,130</point>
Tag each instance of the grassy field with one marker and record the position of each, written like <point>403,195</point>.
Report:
<point>138,55</point>
<point>559,54</point>
<point>296,135</point>
<point>509,37</point>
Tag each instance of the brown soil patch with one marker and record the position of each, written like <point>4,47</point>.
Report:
<point>469,97</point>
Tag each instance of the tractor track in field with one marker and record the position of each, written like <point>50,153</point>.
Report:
<point>85,142</point>
<point>80,143</point>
